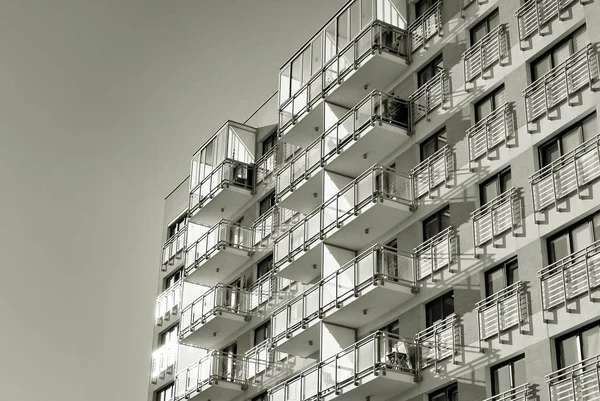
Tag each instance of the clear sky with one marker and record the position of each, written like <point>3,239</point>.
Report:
<point>102,103</point>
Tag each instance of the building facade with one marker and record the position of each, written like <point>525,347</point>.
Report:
<point>413,216</point>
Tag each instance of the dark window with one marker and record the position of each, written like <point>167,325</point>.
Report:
<point>579,345</point>
<point>439,309</point>
<point>559,53</point>
<point>266,204</point>
<point>489,103</point>
<point>262,332</point>
<point>509,374</point>
<point>502,276</point>
<point>575,238</point>
<point>568,140</point>
<point>264,266</point>
<point>269,142</point>
<point>436,223</point>
<point>448,393</point>
<point>228,366</point>
<point>486,26</point>
<point>176,226</point>
<point>429,71</point>
<point>432,144</point>
<point>495,186</point>
<point>261,397</point>
<point>422,6</point>
<point>169,336</point>
<point>172,279</point>
<point>165,393</point>
<point>393,327</point>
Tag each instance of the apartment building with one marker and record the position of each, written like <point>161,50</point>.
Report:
<point>413,216</point>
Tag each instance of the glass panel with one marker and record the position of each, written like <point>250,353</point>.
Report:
<point>317,55</point>
<point>499,97</point>
<point>366,13</point>
<point>550,153</point>
<point>590,127</point>
<point>519,372</point>
<point>354,19</point>
<point>580,39</point>
<point>570,141</point>
<point>330,42</point>
<point>478,32</point>
<point>343,29</point>
<point>296,74</point>
<point>505,181</point>
<point>590,340</point>
<point>596,227</point>
<point>482,109</point>
<point>306,65</point>
<point>489,191</point>
<point>512,273</point>
<point>430,229</point>
<point>284,85</point>
<point>559,248</point>
<point>540,67</point>
<point>494,20</point>
<point>581,237</point>
<point>494,281</point>
<point>568,351</point>
<point>501,379</point>
<point>561,53</point>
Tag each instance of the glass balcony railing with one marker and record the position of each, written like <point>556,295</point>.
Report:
<point>163,361</point>
<point>426,27</point>
<point>524,392</point>
<point>210,370</point>
<point>489,50</point>
<point>502,311</point>
<point>377,183</point>
<point>493,130</point>
<point>560,83</point>
<point>438,342</point>
<point>271,224</point>
<point>224,234</point>
<point>429,96</point>
<point>376,108</point>
<point>578,382</point>
<point>370,357</point>
<point>168,302</point>
<point>533,15</point>
<point>267,165</point>
<point>230,173</point>
<point>376,266</point>
<point>431,172</point>
<point>174,248</point>
<point>435,254</point>
<point>262,359</point>
<point>566,175</point>
<point>570,277</point>
<point>495,218</point>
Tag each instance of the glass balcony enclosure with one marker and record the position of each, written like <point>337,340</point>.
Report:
<point>364,44</point>
<point>224,163</point>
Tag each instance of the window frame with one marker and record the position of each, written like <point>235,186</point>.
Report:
<point>556,139</point>
<point>431,67</point>
<point>439,138</point>
<point>489,97</point>
<point>441,300</point>
<point>419,11</point>
<point>589,220</point>
<point>176,225</point>
<point>578,333</point>
<point>162,337</point>
<point>268,261</point>
<point>270,140</point>
<point>510,363</point>
<point>500,183</point>
<point>437,215</point>
<point>484,21</point>
<point>551,50</point>
<point>449,392</point>
<point>171,279</point>
<point>163,391</point>
<point>270,198</point>
<point>266,327</point>
<point>511,264</point>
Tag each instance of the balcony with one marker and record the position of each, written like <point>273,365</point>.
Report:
<point>367,133</point>
<point>339,68</point>
<point>218,253</point>
<point>489,50</point>
<point>524,392</point>
<point>570,278</point>
<point>271,224</point>
<point>438,342</point>
<point>534,15</point>
<point>216,376</point>
<point>567,175</point>
<point>222,169</point>
<point>578,382</point>
<point>426,27</point>
<point>429,96</point>
<point>168,303</point>
<point>219,312</point>
<point>369,205</point>
<point>559,84</point>
<point>435,254</point>
<point>502,311</point>
<point>378,366</point>
<point>376,281</point>
<point>496,218</point>
<point>495,129</point>
<point>265,366</point>
<point>267,164</point>
<point>432,172</point>
<point>163,362</point>
<point>173,249</point>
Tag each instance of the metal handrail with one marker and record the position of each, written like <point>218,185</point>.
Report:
<point>561,82</point>
<point>266,165</point>
<point>576,382</point>
<point>566,175</point>
<point>523,392</point>
<point>173,247</point>
<point>429,96</point>
<point>443,338</point>
<point>169,302</point>
<point>428,24</point>
<point>329,293</point>
<point>535,14</point>
<point>570,277</point>
<point>494,129</point>
<point>431,172</point>
<point>375,184</point>
<point>262,357</point>
<point>435,253</point>
<point>486,52</point>
<point>501,311</point>
<point>271,224</point>
<point>496,217</point>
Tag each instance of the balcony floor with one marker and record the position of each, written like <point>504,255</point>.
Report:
<point>219,266</point>
<point>221,391</point>
<point>380,387</point>
<point>298,343</point>
<point>230,199</point>
<point>223,325</point>
<point>303,132</point>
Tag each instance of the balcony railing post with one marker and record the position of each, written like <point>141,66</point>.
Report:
<point>587,276</point>
<point>564,286</point>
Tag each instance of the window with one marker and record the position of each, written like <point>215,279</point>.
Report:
<point>169,336</point>
<point>495,186</point>
<point>269,142</point>
<point>579,345</point>
<point>502,276</point>
<point>176,226</point>
<point>172,279</point>
<point>489,103</point>
<point>262,332</point>
<point>165,393</point>
<point>261,397</point>
<point>228,366</point>
<point>266,203</point>
<point>574,238</point>
<point>432,144</point>
<point>509,374</point>
<point>559,53</point>
<point>422,6</point>
<point>488,24</point>
<point>430,70</point>
<point>436,223</point>
<point>568,140</point>
<point>439,309</point>
<point>448,393</point>
<point>264,266</point>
